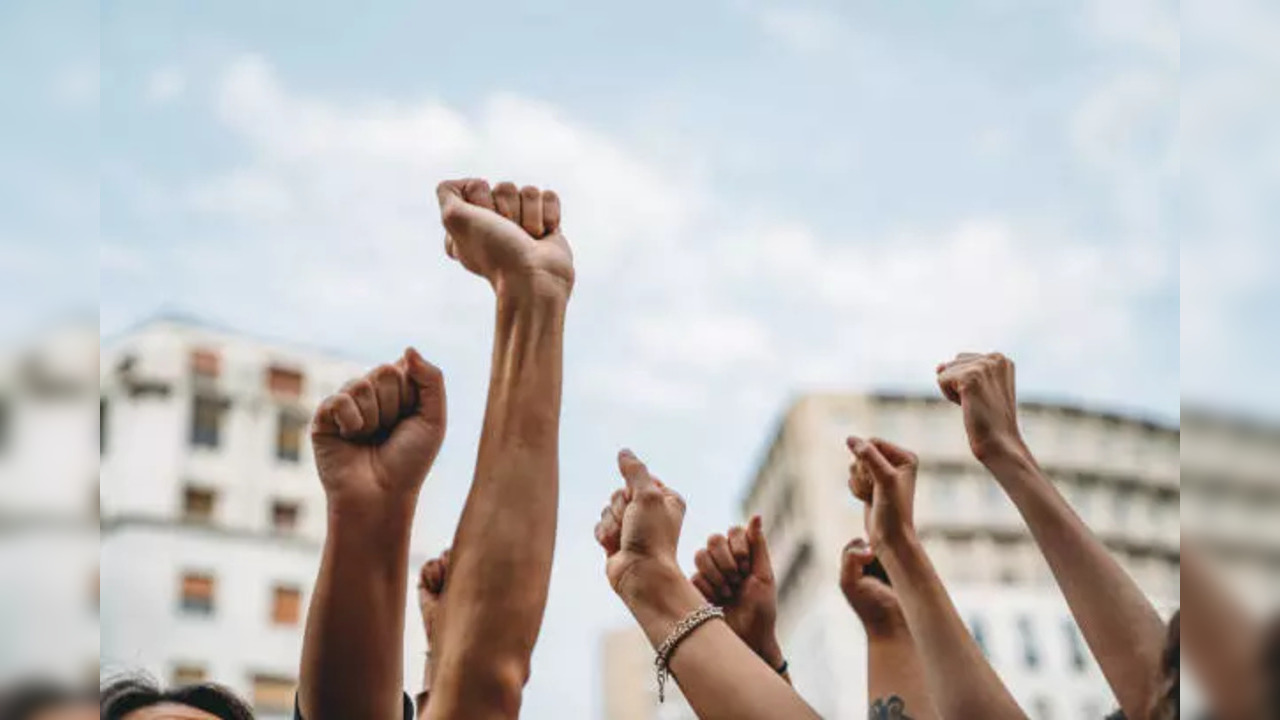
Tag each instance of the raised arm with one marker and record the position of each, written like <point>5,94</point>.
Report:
<point>374,443</point>
<point>1224,643</point>
<point>961,682</point>
<point>896,685</point>
<point>500,562</point>
<point>734,571</point>
<point>1121,627</point>
<point>719,675</point>
<point>431,581</point>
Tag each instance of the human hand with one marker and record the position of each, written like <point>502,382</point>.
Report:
<point>431,583</point>
<point>874,601</point>
<point>377,438</point>
<point>734,572</point>
<point>985,387</point>
<point>511,237</point>
<point>883,476</point>
<point>640,529</point>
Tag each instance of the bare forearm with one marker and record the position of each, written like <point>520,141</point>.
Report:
<point>1118,622</point>
<point>719,675</point>
<point>353,669</point>
<point>501,556</point>
<point>960,681</point>
<point>1221,641</point>
<point>894,670</point>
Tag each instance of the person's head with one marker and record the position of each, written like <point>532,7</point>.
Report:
<point>1164,706</point>
<point>45,701</point>
<point>138,698</point>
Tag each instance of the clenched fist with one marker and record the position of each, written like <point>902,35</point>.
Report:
<point>509,236</point>
<point>875,603</point>
<point>984,387</point>
<point>640,528</point>
<point>378,437</point>
<point>883,476</point>
<point>734,572</point>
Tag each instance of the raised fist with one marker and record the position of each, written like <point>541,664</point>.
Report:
<point>640,527</point>
<point>867,592</point>
<point>883,476</point>
<point>377,438</point>
<point>509,236</point>
<point>984,387</point>
<point>735,573</point>
<point>431,582</point>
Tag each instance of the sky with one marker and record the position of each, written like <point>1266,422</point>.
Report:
<point>764,198</point>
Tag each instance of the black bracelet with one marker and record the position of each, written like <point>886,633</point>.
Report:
<point>782,669</point>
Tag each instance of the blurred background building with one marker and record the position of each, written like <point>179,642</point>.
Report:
<point>48,507</point>
<point>212,514</point>
<point>1231,500</point>
<point>1120,472</point>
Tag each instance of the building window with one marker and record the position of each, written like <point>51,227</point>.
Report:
<point>978,629</point>
<point>273,694</point>
<point>290,425</point>
<point>284,516</point>
<point>185,674</point>
<point>205,364</point>
<point>198,504</point>
<point>206,421</point>
<point>1030,651</point>
<point>286,605</point>
<point>284,382</point>
<point>1075,645</point>
<point>197,593</point>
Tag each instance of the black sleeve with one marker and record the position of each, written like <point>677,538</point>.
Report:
<point>408,709</point>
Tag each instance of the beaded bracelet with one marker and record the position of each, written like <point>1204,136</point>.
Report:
<point>682,630</point>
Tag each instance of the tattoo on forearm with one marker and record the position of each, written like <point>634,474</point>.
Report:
<point>890,708</point>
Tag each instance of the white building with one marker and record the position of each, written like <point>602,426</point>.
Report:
<point>212,513</point>
<point>1231,500</point>
<point>1120,473</point>
<point>48,508</point>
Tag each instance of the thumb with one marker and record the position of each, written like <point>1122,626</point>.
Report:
<point>428,383</point>
<point>876,462</point>
<point>455,212</point>
<point>856,557</point>
<point>761,565</point>
<point>634,472</point>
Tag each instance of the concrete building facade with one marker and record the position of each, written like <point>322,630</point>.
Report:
<point>212,513</point>
<point>1120,473</point>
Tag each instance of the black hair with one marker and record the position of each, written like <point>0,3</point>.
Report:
<point>124,695</point>
<point>26,700</point>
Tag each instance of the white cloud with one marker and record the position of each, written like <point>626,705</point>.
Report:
<point>166,85</point>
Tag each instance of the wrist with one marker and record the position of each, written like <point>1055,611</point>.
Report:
<point>899,548</point>
<point>378,514</point>
<point>1001,449</point>
<point>538,287</point>
<point>770,651</point>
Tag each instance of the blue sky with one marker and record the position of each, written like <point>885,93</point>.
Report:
<point>764,197</point>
